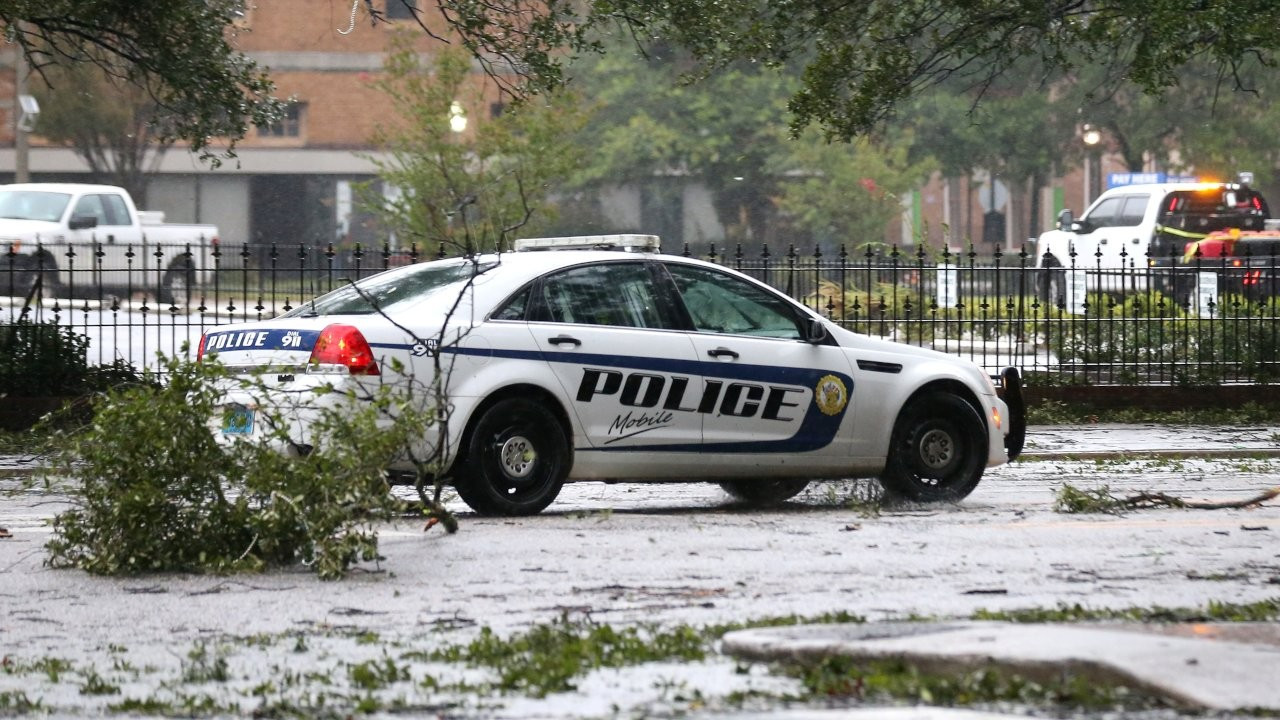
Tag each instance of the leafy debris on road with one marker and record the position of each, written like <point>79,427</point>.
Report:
<point>1071,499</point>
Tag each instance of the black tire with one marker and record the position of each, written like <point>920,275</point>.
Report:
<point>764,492</point>
<point>516,459</point>
<point>178,286</point>
<point>938,450</point>
<point>34,277</point>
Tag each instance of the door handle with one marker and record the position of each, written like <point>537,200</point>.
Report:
<point>722,352</point>
<point>564,340</point>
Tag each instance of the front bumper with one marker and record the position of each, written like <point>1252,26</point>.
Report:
<point>1010,391</point>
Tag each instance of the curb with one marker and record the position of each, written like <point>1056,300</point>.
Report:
<point>1085,455</point>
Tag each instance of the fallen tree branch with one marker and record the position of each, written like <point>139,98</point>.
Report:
<point>1146,500</point>
<point>1073,500</point>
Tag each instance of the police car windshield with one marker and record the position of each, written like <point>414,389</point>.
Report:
<point>386,290</point>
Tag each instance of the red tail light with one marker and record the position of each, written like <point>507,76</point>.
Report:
<point>200,348</point>
<point>345,345</point>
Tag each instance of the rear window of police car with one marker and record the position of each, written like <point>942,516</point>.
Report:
<point>384,291</point>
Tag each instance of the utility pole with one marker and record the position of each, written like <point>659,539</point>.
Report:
<point>21,148</point>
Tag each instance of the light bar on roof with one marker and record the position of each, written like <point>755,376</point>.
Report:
<point>629,243</point>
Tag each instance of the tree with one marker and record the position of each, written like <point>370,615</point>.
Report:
<point>846,193</point>
<point>466,190</point>
<point>863,60</point>
<point>116,127</point>
<point>727,132</point>
<point>176,51</point>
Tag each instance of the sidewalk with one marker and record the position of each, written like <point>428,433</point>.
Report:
<point>1113,440</point>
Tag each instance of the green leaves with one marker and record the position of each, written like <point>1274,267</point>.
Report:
<point>180,52</point>
<point>155,491</point>
<point>465,190</point>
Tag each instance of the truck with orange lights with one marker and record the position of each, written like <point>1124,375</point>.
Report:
<point>1134,237</point>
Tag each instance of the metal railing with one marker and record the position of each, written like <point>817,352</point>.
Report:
<point>1154,321</point>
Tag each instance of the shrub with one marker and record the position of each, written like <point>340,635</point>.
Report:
<point>154,490</point>
<point>47,358</point>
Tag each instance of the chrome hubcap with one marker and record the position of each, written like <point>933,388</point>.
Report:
<point>936,449</point>
<point>517,457</point>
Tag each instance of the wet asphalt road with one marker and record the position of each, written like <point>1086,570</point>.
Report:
<point>629,553</point>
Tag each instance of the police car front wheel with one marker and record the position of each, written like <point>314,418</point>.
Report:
<point>938,451</point>
<point>516,460</point>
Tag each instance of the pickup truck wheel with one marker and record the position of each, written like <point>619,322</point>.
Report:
<point>515,461</point>
<point>33,277</point>
<point>938,450</point>
<point>764,492</point>
<point>1053,283</point>
<point>178,285</point>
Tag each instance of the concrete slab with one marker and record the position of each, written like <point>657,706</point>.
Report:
<point>1111,440</point>
<point>1198,672</point>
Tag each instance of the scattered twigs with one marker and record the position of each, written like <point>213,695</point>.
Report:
<point>1073,500</point>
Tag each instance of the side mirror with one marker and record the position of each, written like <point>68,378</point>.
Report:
<point>82,222</point>
<point>816,332</point>
<point>1065,219</point>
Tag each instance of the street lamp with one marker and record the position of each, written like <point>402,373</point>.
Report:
<point>457,117</point>
<point>1091,136</point>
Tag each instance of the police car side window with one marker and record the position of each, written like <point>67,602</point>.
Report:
<point>618,294</point>
<point>721,303</point>
<point>514,308</point>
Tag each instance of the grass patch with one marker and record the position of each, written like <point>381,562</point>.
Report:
<point>1261,611</point>
<point>894,681</point>
<point>547,658</point>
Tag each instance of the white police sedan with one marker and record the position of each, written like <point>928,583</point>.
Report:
<point>597,358</point>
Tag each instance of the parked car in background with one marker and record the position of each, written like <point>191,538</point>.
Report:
<point>599,358</point>
<point>55,237</point>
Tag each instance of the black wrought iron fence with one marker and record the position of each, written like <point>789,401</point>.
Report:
<point>1199,321</point>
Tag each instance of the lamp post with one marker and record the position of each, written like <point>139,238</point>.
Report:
<point>1091,137</point>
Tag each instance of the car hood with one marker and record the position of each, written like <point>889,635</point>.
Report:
<point>14,228</point>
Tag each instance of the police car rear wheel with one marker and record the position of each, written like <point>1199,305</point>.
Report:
<point>764,492</point>
<point>516,460</point>
<point>938,451</point>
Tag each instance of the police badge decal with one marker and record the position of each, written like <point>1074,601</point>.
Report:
<point>831,395</point>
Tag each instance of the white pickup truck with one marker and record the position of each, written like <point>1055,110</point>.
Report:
<point>85,240</point>
<point>1133,232</point>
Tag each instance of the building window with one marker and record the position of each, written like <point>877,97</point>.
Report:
<point>402,9</point>
<point>289,126</point>
<point>496,109</point>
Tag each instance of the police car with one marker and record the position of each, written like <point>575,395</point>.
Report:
<point>598,358</point>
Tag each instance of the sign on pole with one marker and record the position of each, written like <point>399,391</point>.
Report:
<point>1076,289</point>
<point>948,290</point>
<point>1206,299</point>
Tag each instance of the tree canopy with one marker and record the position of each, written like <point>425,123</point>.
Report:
<point>178,51</point>
<point>863,60</point>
